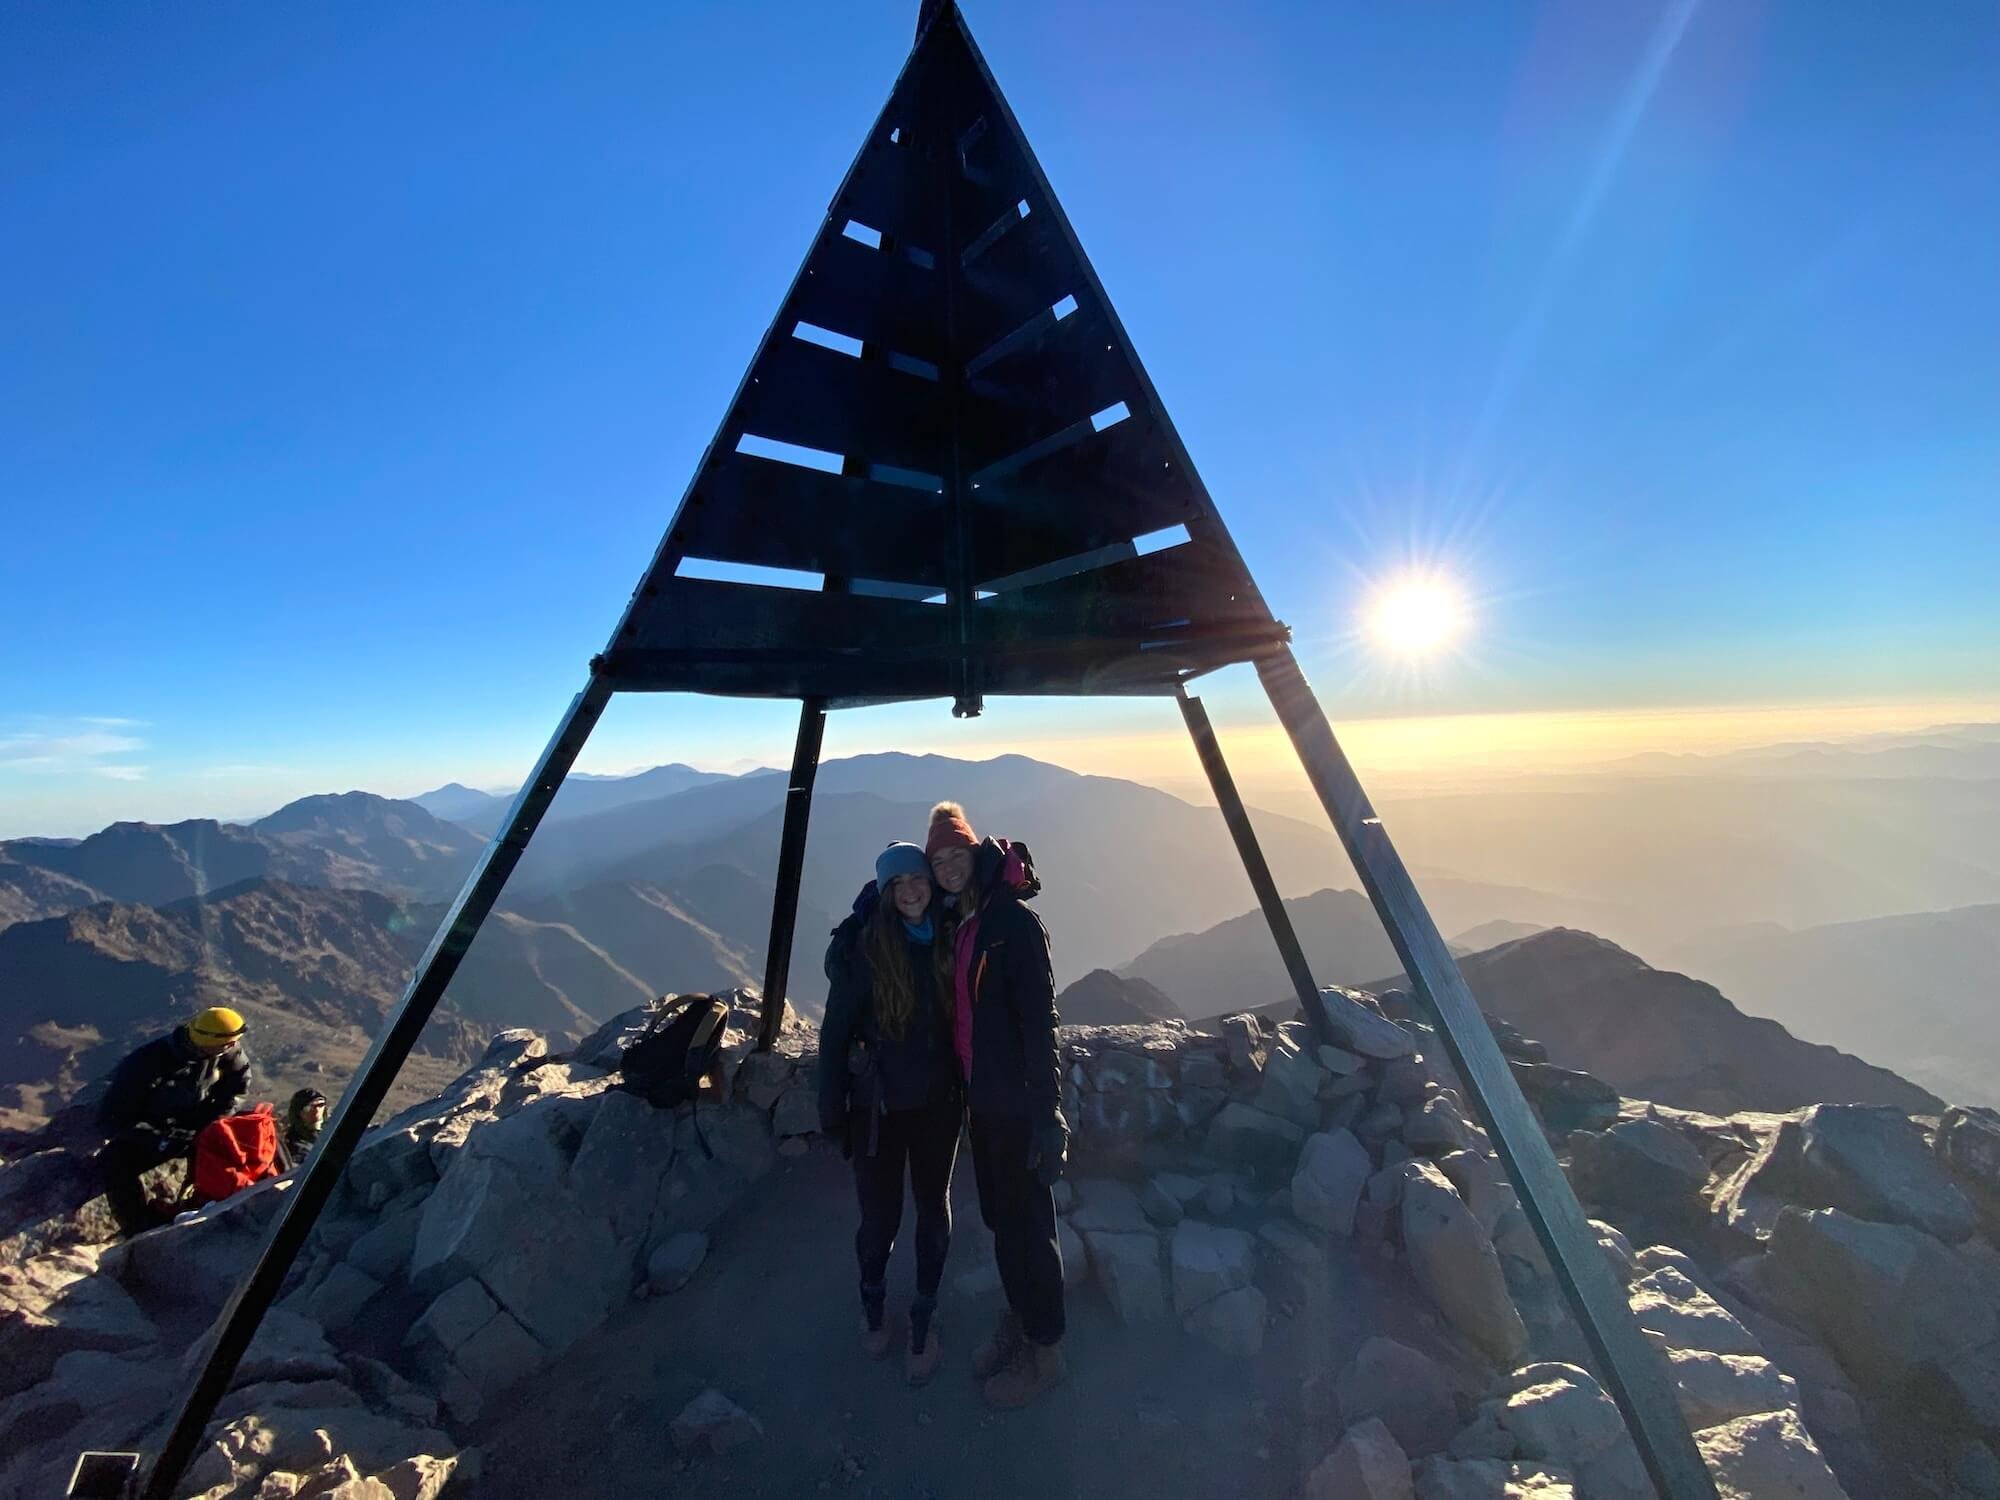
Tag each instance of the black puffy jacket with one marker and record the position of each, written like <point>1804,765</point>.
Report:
<point>1016,1061</point>
<point>906,1072</point>
<point>171,1087</point>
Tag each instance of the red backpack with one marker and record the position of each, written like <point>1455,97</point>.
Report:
<point>233,1152</point>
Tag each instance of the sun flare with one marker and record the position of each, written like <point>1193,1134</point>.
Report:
<point>1415,614</point>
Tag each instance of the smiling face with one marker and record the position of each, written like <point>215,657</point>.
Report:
<point>911,895</point>
<point>953,868</point>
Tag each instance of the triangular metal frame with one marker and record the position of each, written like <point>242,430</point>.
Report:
<point>1029,519</point>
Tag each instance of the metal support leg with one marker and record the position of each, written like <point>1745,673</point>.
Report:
<point>791,868</point>
<point>1635,1372</point>
<point>1209,750</point>
<point>309,1193</point>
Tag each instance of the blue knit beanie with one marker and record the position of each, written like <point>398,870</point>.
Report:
<point>900,859</point>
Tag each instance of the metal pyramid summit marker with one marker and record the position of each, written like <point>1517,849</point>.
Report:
<point>949,441</point>
<point>948,432</point>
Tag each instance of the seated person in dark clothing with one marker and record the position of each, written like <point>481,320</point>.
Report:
<point>303,1118</point>
<point>157,1102</point>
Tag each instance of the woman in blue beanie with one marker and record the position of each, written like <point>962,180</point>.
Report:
<point>890,1089</point>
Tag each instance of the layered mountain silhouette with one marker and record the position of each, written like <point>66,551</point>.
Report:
<point>1919,991</point>
<point>1655,1034</point>
<point>662,881</point>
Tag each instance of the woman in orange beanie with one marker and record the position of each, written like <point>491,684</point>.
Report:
<point>1004,1028</point>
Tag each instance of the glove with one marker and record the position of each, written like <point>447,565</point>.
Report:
<point>1048,1153</point>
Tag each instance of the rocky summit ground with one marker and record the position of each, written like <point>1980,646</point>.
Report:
<point>1298,1271</point>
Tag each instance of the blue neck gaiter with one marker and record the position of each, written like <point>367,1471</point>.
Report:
<point>919,932</point>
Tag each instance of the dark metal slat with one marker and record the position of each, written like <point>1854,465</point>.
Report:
<point>881,298</point>
<point>861,408</point>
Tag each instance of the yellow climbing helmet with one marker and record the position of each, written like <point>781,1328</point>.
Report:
<point>215,1027</point>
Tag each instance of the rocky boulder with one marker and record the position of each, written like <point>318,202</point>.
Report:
<point>1968,1143</point>
<point>1332,1170</point>
<point>1902,1313</point>
<point>1566,1099</point>
<point>1453,1260</point>
<point>1870,1161</point>
<point>1765,1456</point>
<point>1410,1392</point>
<point>1638,1165</point>
<point>1367,1464</point>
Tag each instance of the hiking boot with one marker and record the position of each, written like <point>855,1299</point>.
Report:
<point>875,1337</point>
<point>999,1351</point>
<point>1040,1367</point>
<point>919,1365</point>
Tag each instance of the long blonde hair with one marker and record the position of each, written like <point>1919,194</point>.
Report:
<point>895,985</point>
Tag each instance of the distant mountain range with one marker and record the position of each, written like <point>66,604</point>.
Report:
<point>1659,1035</point>
<point>659,881</point>
<point>1921,991</point>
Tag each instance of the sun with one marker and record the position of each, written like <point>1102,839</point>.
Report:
<point>1415,614</point>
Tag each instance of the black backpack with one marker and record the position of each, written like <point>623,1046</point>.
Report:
<point>678,1050</point>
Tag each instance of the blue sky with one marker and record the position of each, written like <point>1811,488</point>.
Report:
<point>356,355</point>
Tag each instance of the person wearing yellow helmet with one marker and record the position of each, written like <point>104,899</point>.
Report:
<point>159,1098</point>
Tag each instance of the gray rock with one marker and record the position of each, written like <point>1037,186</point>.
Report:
<point>1338,1061</point>
<point>1640,1165</point>
<point>1207,1262</point>
<point>712,1423</point>
<point>1104,1203</point>
<point>1160,1206</point>
<point>673,1264</point>
<point>1865,1160</point>
<point>1250,1137</point>
<point>797,1110</point>
<point>1290,1245</point>
<point>1381,1122</point>
<point>287,1346</point>
<point>1490,1479</point>
<point>1484,1437</point>
<point>1968,1143</point>
<point>1893,1303</point>
<point>422,1476</point>
<point>1291,1084</point>
<point>1126,1268</point>
<point>1203,1070</point>
<point>1359,1027</point>
<point>1559,1412</point>
<point>1408,1390</point>
<point>1178,1186</point>
<point>1454,1262</point>
<point>1366,1464</point>
<point>384,1251</point>
<point>1716,1388</point>
<point>1232,1322</point>
<point>1680,1315</point>
<point>1333,1168</point>
<point>1772,1454</point>
<point>1436,1129</point>
<point>453,1317</point>
<point>627,1148</point>
<point>1566,1099</point>
<point>763,1078</point>
<point>1975,1470</point>
<point>499,1354</point>
<point>1218,1196</point>
<point>1245,1042</point>
<point>338,1301</point>
<point>1482,1183</point>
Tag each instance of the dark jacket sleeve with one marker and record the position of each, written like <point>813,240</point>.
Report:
<point>231,1086</point>
<point>837,1027</point>
<point>1031,998</point>
<point>126,1096</point>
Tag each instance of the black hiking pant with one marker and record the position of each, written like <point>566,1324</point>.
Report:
<point>926,1140</point>
<point>123,1160</point>
<point>1022,1215</point>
